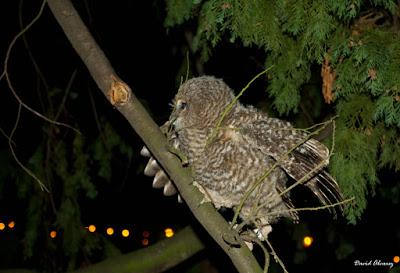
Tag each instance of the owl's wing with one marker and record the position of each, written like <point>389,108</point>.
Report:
<point>276,138</point>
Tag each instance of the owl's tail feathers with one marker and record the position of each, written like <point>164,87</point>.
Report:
<point>308,164</point>
<point>325,187</point>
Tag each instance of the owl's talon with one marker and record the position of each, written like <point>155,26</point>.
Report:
<point>180,199</point>
<point>249,245</point>
<point>152,167</point>
<point>169,189</point>
<point>160,179</point>
<point>145,152</point>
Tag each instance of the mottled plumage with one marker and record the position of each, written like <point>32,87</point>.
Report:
<point>226,162</point>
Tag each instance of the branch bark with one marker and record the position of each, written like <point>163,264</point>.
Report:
<point>120,95</point>
<point>153,259</point>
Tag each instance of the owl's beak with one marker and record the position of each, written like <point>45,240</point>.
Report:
<point>176,124</point>
<point>177,116</point>
<point>174,120</point>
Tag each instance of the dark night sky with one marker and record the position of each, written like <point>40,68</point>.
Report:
<point>148,58</point>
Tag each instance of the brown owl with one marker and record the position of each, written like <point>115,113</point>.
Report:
<point>229,146</point>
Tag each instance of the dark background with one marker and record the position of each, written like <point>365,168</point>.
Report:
<point>150,58</point>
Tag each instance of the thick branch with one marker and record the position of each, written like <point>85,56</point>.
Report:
<point>153,259</point>
<point>120,96</point>
<point>156,258</point>
<point>18,270</point>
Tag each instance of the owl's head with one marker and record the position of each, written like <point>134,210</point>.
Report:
<point>200,102</point>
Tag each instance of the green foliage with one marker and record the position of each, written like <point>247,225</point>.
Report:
<point>179,11</point>
<point>344,250</point>
<point>346,10</point>
<point>388,110</point>
<point>356,39</point>
<point>72,168</point>
<point>33,221</point>
<point>390,154</point>
<point>395,269</point>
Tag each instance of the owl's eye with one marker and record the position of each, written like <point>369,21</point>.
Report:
<point>181,105</point>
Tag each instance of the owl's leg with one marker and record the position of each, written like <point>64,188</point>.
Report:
<point>247,240</point>
<point>263,229</point>
<point>261,233</point>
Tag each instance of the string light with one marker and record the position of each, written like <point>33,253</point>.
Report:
<point>53,234</point>
<point>110,231</point>
<point>2,226</point>
<point>125,233</point>
<point>307,241</point>
<point>396,259</point>
<point>92,228</point>
<point>11,224</point>
<point>145,242</point>
<point>169,232</point>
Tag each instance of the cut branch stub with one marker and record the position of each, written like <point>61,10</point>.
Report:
<point>119,92</point>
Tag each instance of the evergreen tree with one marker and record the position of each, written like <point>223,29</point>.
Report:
<point>355,46</point>
<point>338,57</point>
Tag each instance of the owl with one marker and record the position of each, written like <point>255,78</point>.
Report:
<point>234,150</point>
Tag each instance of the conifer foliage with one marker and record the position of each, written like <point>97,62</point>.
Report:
<point>356,44</point>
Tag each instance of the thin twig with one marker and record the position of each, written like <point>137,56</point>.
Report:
<point>265,251</point>
<point>230,105</point>
<point>96,119</point>
<point>253,238</point>
<point>33,60</point>
<point>7,76</point>
<point>22,104</point>
<point>187,65</point>
<point>6,136</point>
<point>66,93</point>
<point>10,144</point>
<point>48,169</point>
<point>40,77</point>
<point>276,256</point>
<point>310,208</point>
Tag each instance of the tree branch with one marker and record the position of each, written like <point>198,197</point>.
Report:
<point>153,259</point>
<point>17,270</point>
<point>120,95</point>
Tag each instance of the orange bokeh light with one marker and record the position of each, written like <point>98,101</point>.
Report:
<point>2,226</point>
<point>92,228</point>
<point>145,242</point>
<point>53,234</point>
<point>307,241</point>
<point>169,232</point>
<point>110,231</point>
<point>11,224</point>
<point>396,259</point>
<point>125,233</point>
